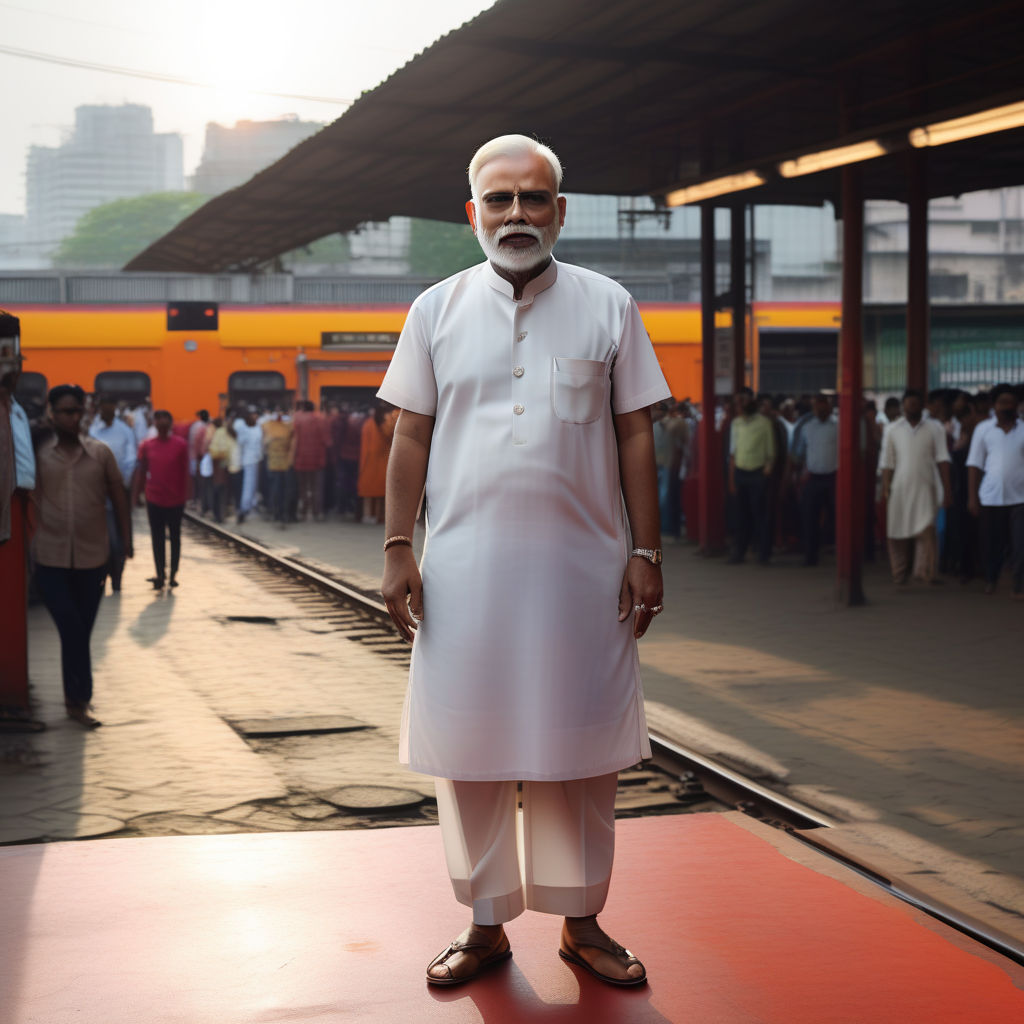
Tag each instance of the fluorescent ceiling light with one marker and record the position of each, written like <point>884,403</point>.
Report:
<point>714,187</point>
<point>839,157</point>
<point>998,119</point>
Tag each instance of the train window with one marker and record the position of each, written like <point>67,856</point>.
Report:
<point>346,339</point>
<point>123,385</point>
<point>797,361</point>
<point>255,381</point>
<point>31,393</point>
<point>354,397</point>
<point>263,388</point>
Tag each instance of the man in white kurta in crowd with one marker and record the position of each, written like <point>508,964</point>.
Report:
<point>120,439</point>
<point>250,451</point>
<point>914,454</point>
<point>995,474</point>
<point>525,387</point>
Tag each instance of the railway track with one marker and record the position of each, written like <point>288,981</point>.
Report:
<point>680,777</point>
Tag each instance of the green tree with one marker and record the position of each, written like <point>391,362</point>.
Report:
<point>111,234</point>
<point>438,248</point>
<point>332,249</point>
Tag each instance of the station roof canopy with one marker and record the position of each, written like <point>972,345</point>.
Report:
<point>637,99</point>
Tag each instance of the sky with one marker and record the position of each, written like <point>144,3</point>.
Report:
<point>230,56</point>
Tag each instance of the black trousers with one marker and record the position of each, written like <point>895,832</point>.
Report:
<point>72,597</point>
<point>1002,532</point>
<point>164,521</point>
<point>753,523</point>
<point>818,496</point>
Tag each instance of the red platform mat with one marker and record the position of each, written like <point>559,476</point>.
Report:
<point>339,926</point>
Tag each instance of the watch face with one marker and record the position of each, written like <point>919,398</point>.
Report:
<point>657,558</point>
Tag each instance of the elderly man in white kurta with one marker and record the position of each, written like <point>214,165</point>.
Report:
<point>525,387</point>
<point>914,454</point>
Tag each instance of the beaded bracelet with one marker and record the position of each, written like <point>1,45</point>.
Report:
<point>392,541</point>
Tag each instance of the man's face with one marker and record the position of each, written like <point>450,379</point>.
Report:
<point>912,407</point>
<point>67,415</point>
<point>744,404</point>
<point>107,410</point>
<point>822,409</point>
<point>1006,407</point>
<point>516,213</point>
<point>163,425</point>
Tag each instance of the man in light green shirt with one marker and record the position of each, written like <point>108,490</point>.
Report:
<point>751,457</point>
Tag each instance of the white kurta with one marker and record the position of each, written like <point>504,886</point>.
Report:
<point>913,453</point>
<point>520,669</point>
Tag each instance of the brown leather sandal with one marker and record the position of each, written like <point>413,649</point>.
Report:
<point>620,953</point>
<point>501,953</point>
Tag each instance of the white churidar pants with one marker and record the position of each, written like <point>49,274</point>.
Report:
<point>250,474</point>
<point>555,858</point>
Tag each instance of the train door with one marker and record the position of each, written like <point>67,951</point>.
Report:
<point>263,388</point>
<point>797,361</point>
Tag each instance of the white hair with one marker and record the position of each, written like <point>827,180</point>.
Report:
<point>512,145</point>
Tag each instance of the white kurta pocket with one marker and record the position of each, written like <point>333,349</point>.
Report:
<point>579,389</point>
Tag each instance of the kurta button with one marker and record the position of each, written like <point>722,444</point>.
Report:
<point>518,372</point>
<point>518,409</point>
<point>522,335</point>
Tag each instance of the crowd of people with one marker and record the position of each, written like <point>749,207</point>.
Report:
<point>943,483</point>
<point>943,479</point>
<point>291,465</point>
<point>78,467</point>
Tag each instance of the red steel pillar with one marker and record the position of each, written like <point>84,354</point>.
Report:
<point>710,496</point>
<point>13,628</point>
<point>850,478</point>
<point>917,272</point>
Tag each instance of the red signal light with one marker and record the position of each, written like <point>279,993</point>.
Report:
<point>192,316</point>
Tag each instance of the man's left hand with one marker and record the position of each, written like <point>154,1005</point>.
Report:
<point>641,592</point>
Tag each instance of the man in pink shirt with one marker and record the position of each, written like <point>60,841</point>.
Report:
<point>196,450</point>
<point>310,440</point>
<point>163,469</point>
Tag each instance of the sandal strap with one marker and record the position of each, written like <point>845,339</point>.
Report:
<point>469,944</point>
<point>465,947</point>
<point>617,951</point>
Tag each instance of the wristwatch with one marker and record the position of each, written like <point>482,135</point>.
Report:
<point>653,555</point>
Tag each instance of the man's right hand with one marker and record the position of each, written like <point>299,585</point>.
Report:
<point>974,505</point>
<point>402,590</point>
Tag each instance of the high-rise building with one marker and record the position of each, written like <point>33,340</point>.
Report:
<point>231,156</point>
<point>112,153</point>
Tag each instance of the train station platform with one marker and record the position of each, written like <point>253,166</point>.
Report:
<point>737,923</point>
<point>902,720</point>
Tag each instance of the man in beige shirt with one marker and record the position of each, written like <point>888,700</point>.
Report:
<point>75,476</point>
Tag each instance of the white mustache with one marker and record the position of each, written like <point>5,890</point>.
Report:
<point>516,229</point>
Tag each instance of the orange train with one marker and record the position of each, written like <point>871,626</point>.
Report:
<point>267,354</point>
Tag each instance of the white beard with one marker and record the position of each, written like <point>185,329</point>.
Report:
<point>518,260</point>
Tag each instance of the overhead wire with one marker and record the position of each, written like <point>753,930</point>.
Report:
<point>156,76</point>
